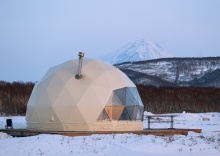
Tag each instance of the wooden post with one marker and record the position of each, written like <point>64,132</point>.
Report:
<point>148,122</point>
<point>171,123</point>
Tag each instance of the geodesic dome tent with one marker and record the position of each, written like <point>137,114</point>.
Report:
<point>105,99</point>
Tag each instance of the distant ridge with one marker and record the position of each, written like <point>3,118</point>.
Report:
<point>189,71</point>
<point>139,50</point>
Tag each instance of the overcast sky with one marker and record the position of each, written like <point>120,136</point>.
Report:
<point>38,34</point>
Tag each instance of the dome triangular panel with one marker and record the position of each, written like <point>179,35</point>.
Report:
<point>96,102</point>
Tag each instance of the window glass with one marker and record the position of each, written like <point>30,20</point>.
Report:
<point>123,104</point>
<point>104,116</point>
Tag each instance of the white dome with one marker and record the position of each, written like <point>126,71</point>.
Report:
<point>104,99</point>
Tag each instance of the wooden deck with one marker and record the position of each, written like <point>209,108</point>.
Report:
<point>158,132</point>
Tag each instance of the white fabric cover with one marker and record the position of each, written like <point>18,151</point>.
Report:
<point>60,102</point>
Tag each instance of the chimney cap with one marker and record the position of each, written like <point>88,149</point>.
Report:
<point>81,54</point>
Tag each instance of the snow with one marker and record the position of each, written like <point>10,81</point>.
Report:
<point>167,70</point>
<point>206,143</point>
<point>139,50</point>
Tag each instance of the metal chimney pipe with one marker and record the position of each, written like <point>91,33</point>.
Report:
<point>79,74</point>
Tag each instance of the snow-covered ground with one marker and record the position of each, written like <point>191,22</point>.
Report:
<point>205,143</point>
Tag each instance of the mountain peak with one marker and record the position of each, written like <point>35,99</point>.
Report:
<point>139,50</point>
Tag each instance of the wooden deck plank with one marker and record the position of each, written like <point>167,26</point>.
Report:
<point>158,132</point>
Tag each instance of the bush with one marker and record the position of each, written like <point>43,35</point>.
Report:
<point>179,99</point>
<point>14,97</point>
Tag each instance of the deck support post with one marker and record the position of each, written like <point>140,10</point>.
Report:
<point>148,122</point>
<point>171,122</point>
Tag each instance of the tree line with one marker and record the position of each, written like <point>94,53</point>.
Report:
<point>14,97</point>
<point>179,99</point>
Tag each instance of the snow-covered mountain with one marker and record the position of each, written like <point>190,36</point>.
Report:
<point>201,72</point>
<point>139,50</point>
